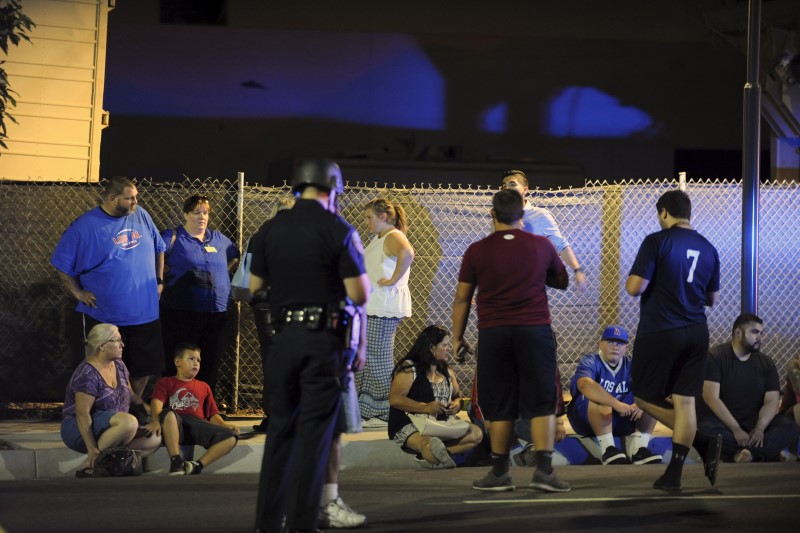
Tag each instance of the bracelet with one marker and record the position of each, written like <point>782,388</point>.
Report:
<point>576,270</point>
<point>159,281</point>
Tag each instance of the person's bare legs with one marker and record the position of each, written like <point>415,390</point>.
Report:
<point>685,421</point>
<point>665,415</point>
<point>217,451</point>
<point>169,429</point>
<point>543,431</point>
<point>646,423</point>
<point>334,460</point>
<point>600,418</point>
<point>682,419</point>
<point>473,437</point>
<point>121,431</point>
<point>145,445</point>
<point>334,512</point>
<point>501,433</point>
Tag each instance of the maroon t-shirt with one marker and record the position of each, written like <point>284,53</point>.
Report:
<point>509,269</point>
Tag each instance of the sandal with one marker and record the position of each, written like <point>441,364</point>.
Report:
<point>84,472</point>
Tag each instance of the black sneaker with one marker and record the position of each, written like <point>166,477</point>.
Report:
<point>645,456</point>
<point>711,458</point>
<point>615,456</point>
<point>192,468</point>
<point>668,486</point>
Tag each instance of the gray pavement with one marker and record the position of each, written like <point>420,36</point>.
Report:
<point>39,493</point>
<point>32,449</point>
<point>752,497</point>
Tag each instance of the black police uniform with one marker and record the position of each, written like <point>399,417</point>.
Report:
<point>303,256</point>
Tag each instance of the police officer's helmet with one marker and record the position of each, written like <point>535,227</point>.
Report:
<point>319,172</point>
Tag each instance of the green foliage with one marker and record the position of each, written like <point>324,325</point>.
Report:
<point>14,25</point>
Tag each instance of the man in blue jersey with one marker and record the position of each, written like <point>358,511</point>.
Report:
<point>111,259</point>
<point>602,402</point>
<point>676,273</point>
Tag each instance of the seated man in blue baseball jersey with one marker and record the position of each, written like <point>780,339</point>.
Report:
<point>602,402</point>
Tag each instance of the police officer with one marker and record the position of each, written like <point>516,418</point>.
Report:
<point>312,260</point>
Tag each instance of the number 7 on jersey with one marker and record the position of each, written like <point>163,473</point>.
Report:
<point>694,255</point>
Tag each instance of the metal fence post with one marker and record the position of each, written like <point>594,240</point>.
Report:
<point>239,243</point>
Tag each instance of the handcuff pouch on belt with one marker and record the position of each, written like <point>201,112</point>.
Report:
<point>342,318</point>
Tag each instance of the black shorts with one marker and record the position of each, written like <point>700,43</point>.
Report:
<point>516,372</point>
<point>194,430</point>
<point>143,352</point>
<point>669,362</point>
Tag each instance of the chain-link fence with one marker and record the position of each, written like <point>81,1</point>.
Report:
<point>604,223</point>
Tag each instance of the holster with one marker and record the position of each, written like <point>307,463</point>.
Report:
<point>263,316</point>
<point>349,326</point>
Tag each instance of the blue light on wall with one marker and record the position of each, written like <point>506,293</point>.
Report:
<point>589,112</point>
<point>494,119</point>
<point>372,79</point>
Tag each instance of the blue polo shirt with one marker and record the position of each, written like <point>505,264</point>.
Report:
<point>196,274</point>
<point>113,258</point>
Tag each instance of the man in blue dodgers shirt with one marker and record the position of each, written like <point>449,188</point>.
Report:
<point>111,259</point>
<point>602,402</point>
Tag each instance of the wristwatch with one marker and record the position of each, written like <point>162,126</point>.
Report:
<point>159,281</point>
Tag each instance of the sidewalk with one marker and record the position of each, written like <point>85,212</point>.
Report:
<point>32,449</point>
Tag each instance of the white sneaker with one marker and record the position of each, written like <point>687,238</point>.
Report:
<point>374,423</point>
<point>338,515</point>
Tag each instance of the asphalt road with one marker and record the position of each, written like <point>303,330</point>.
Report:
<point>753,497</point>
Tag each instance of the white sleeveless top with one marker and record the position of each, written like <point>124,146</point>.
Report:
<point>393,301</point>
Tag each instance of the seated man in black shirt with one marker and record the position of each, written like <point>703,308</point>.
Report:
<point>741,392</point>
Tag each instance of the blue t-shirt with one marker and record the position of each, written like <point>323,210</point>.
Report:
<point>115,259</point>
<point>681,266</point>
<point>616,381</point>
<point>196,274</point>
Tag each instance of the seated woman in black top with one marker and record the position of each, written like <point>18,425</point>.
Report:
<point>422,382</point>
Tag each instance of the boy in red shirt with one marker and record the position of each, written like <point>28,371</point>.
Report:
<point>183,408</point>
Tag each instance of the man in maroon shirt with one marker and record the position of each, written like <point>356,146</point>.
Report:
<point>517,356</point>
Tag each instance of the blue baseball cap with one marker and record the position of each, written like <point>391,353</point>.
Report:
<point>615,333</point>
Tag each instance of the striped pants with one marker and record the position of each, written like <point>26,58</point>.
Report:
<point>375,379</point>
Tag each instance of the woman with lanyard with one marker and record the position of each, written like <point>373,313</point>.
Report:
<point>197,287</point>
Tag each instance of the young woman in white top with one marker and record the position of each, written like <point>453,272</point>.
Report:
<point>388,259</point>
